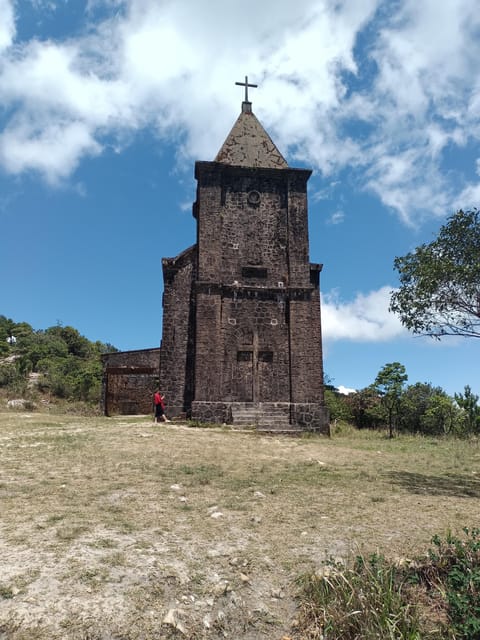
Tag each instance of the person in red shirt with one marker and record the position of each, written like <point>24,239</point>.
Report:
<point>159,402</point>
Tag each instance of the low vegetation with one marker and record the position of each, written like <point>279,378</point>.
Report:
<point>433,597</point>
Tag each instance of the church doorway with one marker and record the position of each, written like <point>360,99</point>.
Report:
<point>254,374</point>
<point>245,377</point>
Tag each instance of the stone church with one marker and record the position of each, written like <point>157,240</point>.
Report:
<point>241,341</point>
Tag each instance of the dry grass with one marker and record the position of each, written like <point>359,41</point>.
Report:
<point>107,525</point>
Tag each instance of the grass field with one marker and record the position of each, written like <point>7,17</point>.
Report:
<point>116,528</point>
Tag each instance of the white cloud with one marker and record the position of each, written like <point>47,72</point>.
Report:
<point>337,217</point>
<point>408,183</point>
<point>54,149</point>
<point>423,95</point>
<point>345,390</point>
<point>365,319</point>
<point>425,54</point>
<point>171,66</point>
<point>7,24</point>
<point>469,198</point>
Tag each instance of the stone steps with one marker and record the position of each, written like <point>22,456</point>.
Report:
<point>263,416</point>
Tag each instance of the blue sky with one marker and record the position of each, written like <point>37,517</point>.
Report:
<point>106,104</point>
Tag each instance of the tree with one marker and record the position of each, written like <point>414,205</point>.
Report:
<point>416,400</point>
<point>439,292</point>
<point>441,416</point>
<point>337,405</point>
<point>365,405</point>
<point>468,403</point>
<point>77,345</point>
<point>389,385</point>
<point>6,332</point>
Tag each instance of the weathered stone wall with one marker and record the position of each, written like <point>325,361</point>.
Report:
<point>236,331</point>
<point>213,412</point>
<point>255,358</point>
<point>306,347</point>
<point>252,218</point>
<point>208,344</point>
<point>177,346</point>
<point>129,381</point>
<point>257,327</point>
<point>311,416</point>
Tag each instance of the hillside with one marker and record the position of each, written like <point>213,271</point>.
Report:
<point>57,362</point>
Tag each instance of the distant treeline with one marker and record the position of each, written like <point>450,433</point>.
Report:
<point>416,408</point>
<point>67,364</point>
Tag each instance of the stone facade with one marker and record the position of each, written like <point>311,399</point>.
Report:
<point>241,339</point>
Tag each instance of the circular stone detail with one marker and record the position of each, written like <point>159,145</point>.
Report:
<point>253,198</point>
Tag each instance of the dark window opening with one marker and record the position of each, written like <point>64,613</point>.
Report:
<point>314,277</point>
<point>244,356</point>
<point>265,356</point>
<point>254,272</point>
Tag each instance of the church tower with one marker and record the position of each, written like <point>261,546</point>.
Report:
<point>241,339</point>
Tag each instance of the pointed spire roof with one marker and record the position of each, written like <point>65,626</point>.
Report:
<point>249,145</point>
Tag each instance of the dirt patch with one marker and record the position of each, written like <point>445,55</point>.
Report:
<point>115,528</point>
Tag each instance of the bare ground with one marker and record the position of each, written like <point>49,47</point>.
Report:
<point>118,529</point>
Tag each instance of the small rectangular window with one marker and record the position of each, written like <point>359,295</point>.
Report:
<point>265,356</point>
<point>244,356</point>
<point>254,272</point>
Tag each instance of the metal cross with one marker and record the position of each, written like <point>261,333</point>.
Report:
<point>246,85</point>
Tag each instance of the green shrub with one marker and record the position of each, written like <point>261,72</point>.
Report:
<point>435,597</point>
<point>366,601</point>
<point>338,406</point>
<point>457,562</point>
<point>9,374</point>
